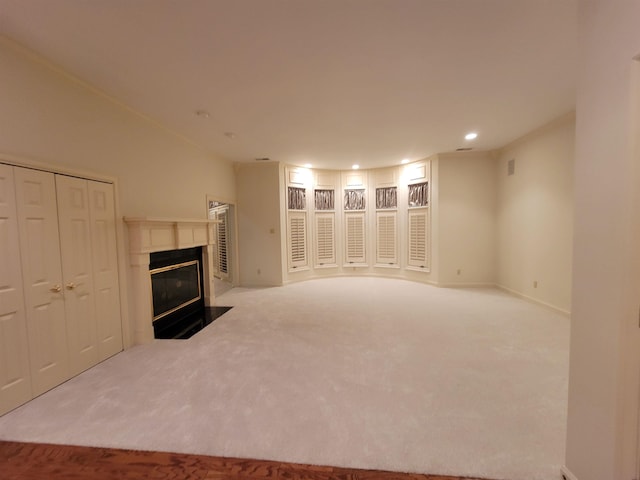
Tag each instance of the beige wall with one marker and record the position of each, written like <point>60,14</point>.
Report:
<point>47,116</point>
<point>535,214</point>
<point>491,228</point>
<point>605,340</point>
<point>259,228</point>
<point>467,206</point>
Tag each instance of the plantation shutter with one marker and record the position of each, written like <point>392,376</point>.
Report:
<point>297,239</point>
<point>418,251</point>
<point>386,238</point>
<point>222,243</point>
<point>355,238</point>
<point>325,239</point>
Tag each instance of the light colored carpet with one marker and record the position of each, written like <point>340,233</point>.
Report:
<point>358,372</point>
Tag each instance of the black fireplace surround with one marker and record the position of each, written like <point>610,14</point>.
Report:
<point>178,302</point>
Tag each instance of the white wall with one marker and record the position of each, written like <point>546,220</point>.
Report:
<point>467,226</point>
<point>49,117</point>
<point>535,214</point>
<point>259,227</point>
<point>603,377</point>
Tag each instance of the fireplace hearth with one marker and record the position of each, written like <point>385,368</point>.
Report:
<point>190,325</point>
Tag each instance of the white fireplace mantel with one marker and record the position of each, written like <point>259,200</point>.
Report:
<point>152,234</point>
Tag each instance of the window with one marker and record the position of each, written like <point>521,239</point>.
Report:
<point>354,200</point>
<point>324,199</point>
<point>418,237</point>
<point>386,197</point>
<point>297,227</point>
<point>297,236</point>
<point>325,239</point>
<point>221,257</point>
<point>419,195</point>
<point>297,198</point>
<point>355,238</point>
<point>386,238</point>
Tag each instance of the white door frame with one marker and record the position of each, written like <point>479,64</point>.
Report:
<point>232,238</point>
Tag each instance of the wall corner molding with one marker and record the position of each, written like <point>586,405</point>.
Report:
<point>515,293</point>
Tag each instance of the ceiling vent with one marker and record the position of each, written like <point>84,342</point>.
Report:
<point>463,149</point>
<point>262,159</point>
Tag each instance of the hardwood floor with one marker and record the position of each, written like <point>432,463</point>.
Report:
<point>28,461</point>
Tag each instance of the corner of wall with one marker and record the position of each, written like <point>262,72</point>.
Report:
<point>534,214</point>
<point>566,474</point>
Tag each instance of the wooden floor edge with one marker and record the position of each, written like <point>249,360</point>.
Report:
<point>30,461</point>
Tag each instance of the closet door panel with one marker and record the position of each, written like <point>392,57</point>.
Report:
<point>105,268</point>
<point>77,271</point>
<point>42,278</point>
<point>15,378</point>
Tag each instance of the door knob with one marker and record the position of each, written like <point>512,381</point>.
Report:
<point>56,288</point>
<point>70,286</point>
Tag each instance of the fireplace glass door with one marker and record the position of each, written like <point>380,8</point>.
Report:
<point>175,287</point>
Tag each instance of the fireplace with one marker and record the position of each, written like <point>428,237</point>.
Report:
<point>155,245</point>
<point>176,291</point>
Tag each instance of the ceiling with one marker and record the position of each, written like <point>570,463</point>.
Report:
<point>325,82</point>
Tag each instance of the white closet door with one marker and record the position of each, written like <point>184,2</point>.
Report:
<point>105,268</point>
<point>77,270</point>
<point>42,278</point>
<point>15,379</point>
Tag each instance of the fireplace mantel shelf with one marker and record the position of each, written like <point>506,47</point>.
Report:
<point>156,234</point>
<point>130,220</point>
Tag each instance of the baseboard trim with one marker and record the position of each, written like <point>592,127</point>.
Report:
<point>534,300</point>
<point>566,473</point>
<point>466,285</point>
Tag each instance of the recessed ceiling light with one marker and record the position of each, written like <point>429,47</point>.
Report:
<point>355,167</point>
<point>404,160</point>
<point>203,113</point>
<point>471,136</point>
<point>307,165</point>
